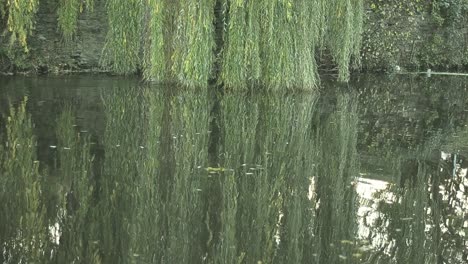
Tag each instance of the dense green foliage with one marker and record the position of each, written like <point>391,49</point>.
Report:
<point>273,43</point>
<point>24,221</point>
<point>20,19</point>
<point>239,44</point>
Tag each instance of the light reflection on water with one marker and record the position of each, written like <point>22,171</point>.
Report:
<point>108,170</point>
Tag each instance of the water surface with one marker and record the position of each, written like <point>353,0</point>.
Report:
<point>109,170</point>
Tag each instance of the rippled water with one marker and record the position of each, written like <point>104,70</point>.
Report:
<point>107,170</point>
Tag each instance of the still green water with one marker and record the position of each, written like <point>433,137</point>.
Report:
<point>107,170</point>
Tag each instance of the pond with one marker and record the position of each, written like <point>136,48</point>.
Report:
<point>97,169</point>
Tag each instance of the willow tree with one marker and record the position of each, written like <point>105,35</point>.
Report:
<point>235,43</point>
<point>272,43</point>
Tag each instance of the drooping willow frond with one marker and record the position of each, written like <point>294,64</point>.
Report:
<point>122,49</point>
<point>68,13</point>
<point>154,63</point>
<point>344,33</point>
<point>269,43</point>
<point>20,21</point>
<point>194,42</point>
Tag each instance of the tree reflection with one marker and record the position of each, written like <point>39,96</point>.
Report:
<point>197,177</point>
<point>23,229</point>
<point>424,220</point>
<point>76,186</point>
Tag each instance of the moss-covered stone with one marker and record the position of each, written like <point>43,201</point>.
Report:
<point>415,35</point>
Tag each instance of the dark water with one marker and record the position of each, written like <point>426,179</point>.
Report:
<point>105,170</point>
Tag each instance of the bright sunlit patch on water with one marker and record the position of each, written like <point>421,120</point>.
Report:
<point>366,188</point>
<point>370,192</point>
<point>445,155</point>
<point>55,233</point>
<point>463,172</point>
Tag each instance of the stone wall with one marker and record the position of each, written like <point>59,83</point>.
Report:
<point>48,52</point>
<point>415,35</point>
<point>397,33</point>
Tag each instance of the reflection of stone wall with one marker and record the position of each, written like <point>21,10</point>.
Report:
<point>404,112</point>
<point>403,119</point>
<point>397,32</point>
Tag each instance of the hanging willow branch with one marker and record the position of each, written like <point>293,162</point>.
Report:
<point>154,64</point>
<point>345,28</point>
<point>272,43</point>
<point>122,48</point>
<point>194,42</point>
<point>68,13</point>
<point>20,21</point>
<point>234,70</point>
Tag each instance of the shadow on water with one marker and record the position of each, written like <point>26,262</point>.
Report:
<point>119,172</point>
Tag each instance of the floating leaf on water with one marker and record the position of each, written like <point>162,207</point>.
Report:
<point>364,248</point>
<point>398,230</point>
<point>349,242</point>
<point>406,218</point>
<point>211,169</point>
<point>118,145</point>
<point>357,255</point>
<point>243,165</point>
<point>142,147</point>
<point>53,147</point>
<point>342,256</point>
<point>198,167</point>
<point>249,173</point>
<point>66,148</point>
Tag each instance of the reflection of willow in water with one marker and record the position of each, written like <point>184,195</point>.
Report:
<point>128,211</point>
<point>184,215</point>
<point>423,221</point>
<point>75,169</point>
<point>335,226</point>
<point>272,148</point>
<point>263,178</point>
<point>150,198</point>
<point>23,231</point>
